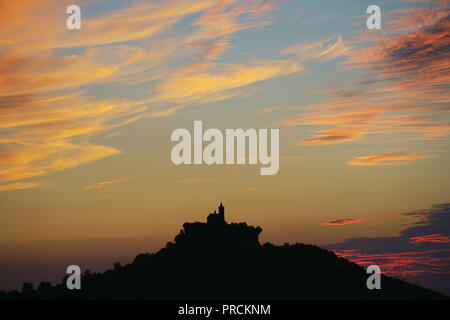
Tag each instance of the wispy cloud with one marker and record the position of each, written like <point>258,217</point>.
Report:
<point>164,113</point>
<point>415,214</point>
<point>267,110</point>
<point>332,136</point>
<point>420,253</point>
<point>220,83</point>
<point>387,159</point>
<point>100,185</point>
<point>20,185</point>
<point>436,238</point>
<point>342,222</point>
<point>323,50</point>
<point>408,264</point>
<point>47,120</point>
<point>404,89</point>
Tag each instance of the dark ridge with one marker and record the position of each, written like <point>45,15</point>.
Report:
<point>217,260</point>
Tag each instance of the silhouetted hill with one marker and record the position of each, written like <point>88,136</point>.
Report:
<point>216,260</point>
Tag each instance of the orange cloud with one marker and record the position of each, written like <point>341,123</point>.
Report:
<point>224,19</point>
<point>46,134</point>
<point>100,185</point>
<point>268,110</point>
<point>387,159</point>
<point>20,185</point>
<point>405,85</point>
<point>48,122</point>
<point>164,113</point>
<point>207,81</point>
<point>219,83</point>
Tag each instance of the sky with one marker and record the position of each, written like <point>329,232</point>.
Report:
<point>86,117</point>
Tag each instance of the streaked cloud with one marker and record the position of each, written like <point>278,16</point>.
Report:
<point>100,185</point>
<point>323,50</point>
<point>341,222</point>
<point>332,136</point>
<point>387,159</point>
<point>164,113</point>
<point>402,87</point>
<point>20,185</point>
<point>268,110</point>
<point>420,253</point>
<point>415,214</point>
<point>437,238</point>
<point>408,264</point>
<point>221,82</point>
<point>48,121</point>
<point>218,81</point>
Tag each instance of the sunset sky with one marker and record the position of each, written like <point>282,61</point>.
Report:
<point>86,117</point>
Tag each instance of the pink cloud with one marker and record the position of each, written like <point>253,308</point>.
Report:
<point>342,222</point>
<point>404,264</point>
<point>436,238</point>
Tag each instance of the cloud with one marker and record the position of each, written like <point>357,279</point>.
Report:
<point>410,265</point>
<point>417,213</point>
<point>323,50</point>
<point>20,185</point>
<point>224,19</point>
<point>387,159</point>
<point>342,222</point>
<point>50,118</point>
<point>165,113</point>
<point>402,85</point>
<point>48,121</point>
<point>46,134</point>
<point>437,238</point>
<point>414,214</point>
<point>421,253</point>
<point>100,185</point>
<point>267,110</point>
<point>220,83</point>
<point>212,81</point>
<point>140,20</point>
<point>333,136</point>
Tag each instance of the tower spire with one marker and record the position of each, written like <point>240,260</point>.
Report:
<point>222,209</point>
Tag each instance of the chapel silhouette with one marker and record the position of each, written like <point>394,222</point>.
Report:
<point>217,218</point>
<point>217,233</point>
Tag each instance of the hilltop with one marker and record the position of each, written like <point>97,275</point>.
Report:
<point>218,260</point>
